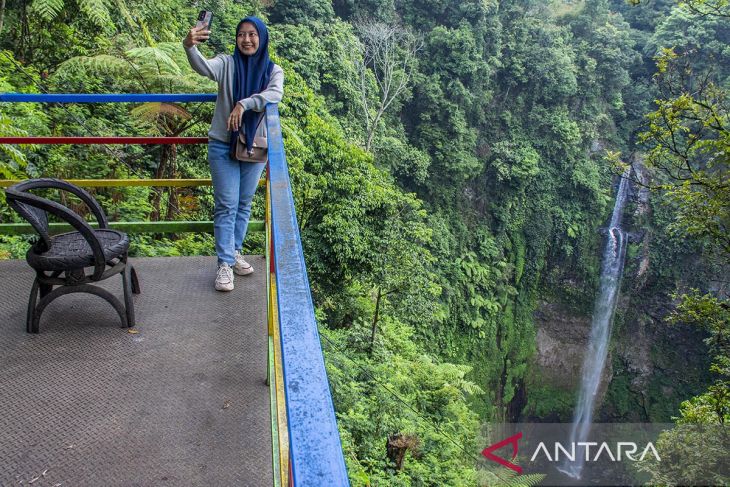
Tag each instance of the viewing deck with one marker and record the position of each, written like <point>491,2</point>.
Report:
<point>209,388</point>
<point>183,401</point>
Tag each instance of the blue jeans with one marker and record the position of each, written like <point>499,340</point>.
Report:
<point>234,184</point>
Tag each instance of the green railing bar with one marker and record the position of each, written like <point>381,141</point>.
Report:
<point>112,183</point>
<point>130,227</point>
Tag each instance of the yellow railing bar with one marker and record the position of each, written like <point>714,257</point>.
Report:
<point>113,183</point>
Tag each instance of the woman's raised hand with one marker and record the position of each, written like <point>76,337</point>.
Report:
<point>196,35</point>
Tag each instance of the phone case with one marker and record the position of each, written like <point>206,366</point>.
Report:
<point>204,18</point>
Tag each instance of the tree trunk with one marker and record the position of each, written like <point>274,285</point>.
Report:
<point>2,14</point>
<point>24,33</point>
<point>375,320</point>
<point>156,195</point>
<point>172,200</point>
<point>374,126</point>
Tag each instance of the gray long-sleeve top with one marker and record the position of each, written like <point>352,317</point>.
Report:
<point>221,70</point>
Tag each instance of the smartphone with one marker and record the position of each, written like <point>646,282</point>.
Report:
<point>205,18</point>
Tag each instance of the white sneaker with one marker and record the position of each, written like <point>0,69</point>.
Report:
<point>224,278</point>
<point>241,267</point>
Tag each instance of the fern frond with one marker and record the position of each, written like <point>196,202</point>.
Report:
<point>470,387</point>
<point>7,129</point>
<point>96,11</point>
<point>153,62</point>
<point>17,158</point>
<point>18,161</point>
<point>528,480</point>
<point>146,33</point>
<point>508,478</point>
<point>175,51</point>
<point>180,84</point>
<point>290,131</point>
<point>101,64</point>
<point>47,9</point>
<point>150,111</point>
<point>122,7</point>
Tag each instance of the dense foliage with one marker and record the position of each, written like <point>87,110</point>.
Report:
<point>437,216</point>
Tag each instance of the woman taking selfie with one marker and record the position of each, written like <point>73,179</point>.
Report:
<point>247,81</point>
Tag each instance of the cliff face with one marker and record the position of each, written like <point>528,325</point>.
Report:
<point>562,339</point>
<point>561,342</point>
<point>656,365</point>
<point>652,366</point>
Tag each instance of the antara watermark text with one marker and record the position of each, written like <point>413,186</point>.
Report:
<point>604,454</point>
<point>623,449</point>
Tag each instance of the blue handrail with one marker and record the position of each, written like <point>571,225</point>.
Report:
<point>314,441</point>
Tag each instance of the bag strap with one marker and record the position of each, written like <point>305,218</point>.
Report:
<point>261,117</point>
<point>242,133</point>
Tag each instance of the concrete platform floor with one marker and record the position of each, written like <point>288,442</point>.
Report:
<point>182,402</point>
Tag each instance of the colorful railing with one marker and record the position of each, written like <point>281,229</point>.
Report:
<point>314,446</point>
<point>306,445</point>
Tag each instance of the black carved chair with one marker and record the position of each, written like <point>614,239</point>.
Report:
<point>60,260</point>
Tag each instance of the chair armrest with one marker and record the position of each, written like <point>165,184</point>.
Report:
<point>70,217</point>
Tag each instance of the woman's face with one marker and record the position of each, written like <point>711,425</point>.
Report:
<point>247,39</point>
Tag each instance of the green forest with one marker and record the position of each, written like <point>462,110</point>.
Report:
<point>454,166</point>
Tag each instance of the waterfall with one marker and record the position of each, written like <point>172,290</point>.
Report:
<point>603,310</point>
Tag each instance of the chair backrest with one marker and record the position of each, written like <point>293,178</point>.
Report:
<point>37,217</point>
<point>35,210</point>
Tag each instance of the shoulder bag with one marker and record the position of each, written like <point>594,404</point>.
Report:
<point>260,150</point>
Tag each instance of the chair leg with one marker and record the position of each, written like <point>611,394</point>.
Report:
<point>80,288</point>
<point>30,319</point>
<point>136,289</point>
<point>128,289</point>
<point>45,289</point>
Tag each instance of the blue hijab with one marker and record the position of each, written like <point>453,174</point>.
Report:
<point>251,76</point>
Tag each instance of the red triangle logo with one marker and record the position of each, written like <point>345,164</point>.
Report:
<point>512,440</point>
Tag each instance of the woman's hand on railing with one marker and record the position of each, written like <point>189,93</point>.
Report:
<point>195,36</point>
<point>234,119</point>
